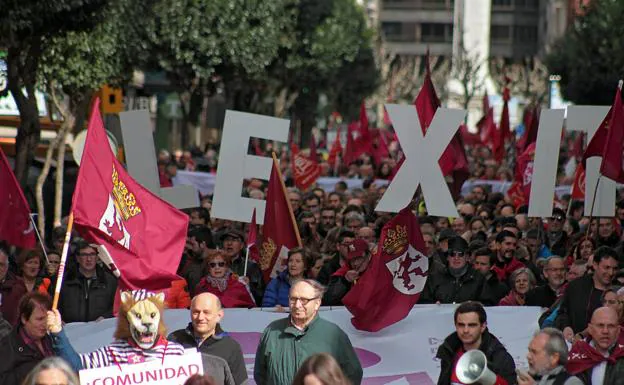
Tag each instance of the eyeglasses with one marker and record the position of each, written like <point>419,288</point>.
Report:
<point>456,253</point>
<point>557,218</point>
<point>304,301</point>
<point>215,264</point>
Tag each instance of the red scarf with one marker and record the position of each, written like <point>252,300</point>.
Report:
<point>583,356</point>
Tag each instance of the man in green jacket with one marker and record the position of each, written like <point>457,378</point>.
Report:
<point>287,342</point>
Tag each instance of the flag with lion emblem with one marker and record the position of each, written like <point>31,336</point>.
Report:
<point>144,235</point>
<point>395,278</point>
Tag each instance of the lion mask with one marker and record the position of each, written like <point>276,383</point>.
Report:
<point>141,319</point>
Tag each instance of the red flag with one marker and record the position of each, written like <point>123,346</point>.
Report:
<point>531,123</point>
<point>335,150</point>
<point>392,284</point>
<point>256,146</point>
<point>252,237</point>
<point>280,233</point>
<point>487,128</point>
<point>364,125</point>
<point>144,235</point>
<point>313,154</point>
<point>503,129</point>
<point>361,144</point>
<point>611,165</point>
<point>15,225</point>
<point>578,187</point>
<point>577,147</point>
<point>379,146</point>
<point>305,171</point>
<point>520,191</point>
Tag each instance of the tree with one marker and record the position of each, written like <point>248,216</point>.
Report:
<point>198,41</point>
<point>467,69</point>
<point>589,57</point>
<point>528,77</point>
<point>76,65</point>
<point>24,26</point>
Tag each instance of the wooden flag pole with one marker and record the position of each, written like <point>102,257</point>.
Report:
<point>61,270</point>
<point>290,210</point>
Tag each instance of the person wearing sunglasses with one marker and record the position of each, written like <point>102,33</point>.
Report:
<point>457,283</point>
<point>557,237</point>
<point>223,283</point>
<point>286,343</point>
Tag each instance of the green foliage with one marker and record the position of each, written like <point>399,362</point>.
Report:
<point>590,58</point>
<point>82,61</point>
<point>193,39</point>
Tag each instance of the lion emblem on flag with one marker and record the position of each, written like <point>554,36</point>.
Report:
<point>409,271</point>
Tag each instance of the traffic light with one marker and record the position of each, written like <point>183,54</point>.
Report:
<point>112,100</point>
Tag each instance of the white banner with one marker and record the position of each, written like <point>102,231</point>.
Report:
<point>403,353</point>
<point>171,371</point>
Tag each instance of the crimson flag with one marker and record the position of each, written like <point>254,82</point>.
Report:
<point>15,225</point>
<point>335,150</point>
<point>577,146</point>
<point>252,237</point>
<point>397,273</point>
<point>279,231</point>
<point>313,153</point>
<point>611,165</point>
<point>531,123</point>
<point>144,235</point>
<point>597,142</point>
<point>305,171</point>
<point>503,129</point>
<point>578,187</point>
<point>359,139</point>
<point>520,191</point>
<point>379,146</point>
<point>487,128</point>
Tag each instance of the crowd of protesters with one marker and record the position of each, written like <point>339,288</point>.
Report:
<point>492,253</point>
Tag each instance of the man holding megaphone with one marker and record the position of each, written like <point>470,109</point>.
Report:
<point>471,355</point>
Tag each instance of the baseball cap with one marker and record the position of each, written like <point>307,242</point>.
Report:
<point>358,248</point>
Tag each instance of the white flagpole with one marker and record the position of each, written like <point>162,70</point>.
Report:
<point>246,261</point>
<point>34,225</point>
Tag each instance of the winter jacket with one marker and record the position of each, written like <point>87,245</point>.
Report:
<point>542,296</point>
<point>580,300</point>
<point>499,360</point>
<point>276,292</point>
<point>18,358</point>
<point>11,291</point>
<point>236,294</point>
<point>337,288</point>
<point>283,348</point>
<point>220,344</point>
<point>218,368</point>
<point>493,291</point>
<point>445,288</point>
<point>84,301</point>
<point>177,296</point>
<point>5,327</point>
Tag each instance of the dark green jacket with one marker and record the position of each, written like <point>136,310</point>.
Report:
<point>283,348</point>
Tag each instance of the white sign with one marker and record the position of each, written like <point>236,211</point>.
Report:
<point>173,371</point>
<point>404,351</point>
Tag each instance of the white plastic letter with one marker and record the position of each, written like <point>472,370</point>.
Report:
<point>235,165</point>
<point>421,160</point>
<point>545,163</point>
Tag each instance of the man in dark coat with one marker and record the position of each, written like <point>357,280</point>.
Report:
<point>233,246</point>
<point>344,278</point>
<point>472,333</point>
<point>29,342</point>
<point>88,291</point>
<point>494,290</point>
<point>546,295</point>
<point>459,282</point>
<point>583,295</point>
<point>205,334</point>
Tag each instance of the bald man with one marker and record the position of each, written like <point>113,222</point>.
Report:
<point>205,334</point>
<point>599,359</point>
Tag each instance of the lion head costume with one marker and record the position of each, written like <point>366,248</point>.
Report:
<point>141,319</point>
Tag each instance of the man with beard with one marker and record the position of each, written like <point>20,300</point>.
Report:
<point>547,294</point>
<point>606,233</point>
<point>472,333</point>
<point>233,248</point>
<point>599,359</point>
<point>548,355</point>
<point>345,238</point>
<point>505,262</point>
<point>494,290</point>
<point>459,282</point>
<point>198,242</point>
<point>328,221</point>
<point>583,295</point>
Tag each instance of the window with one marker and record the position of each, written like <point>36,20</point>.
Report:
<point>525,34</point>
<point>399,32</point>
<point>436,32</point>
<point>500,33</point>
